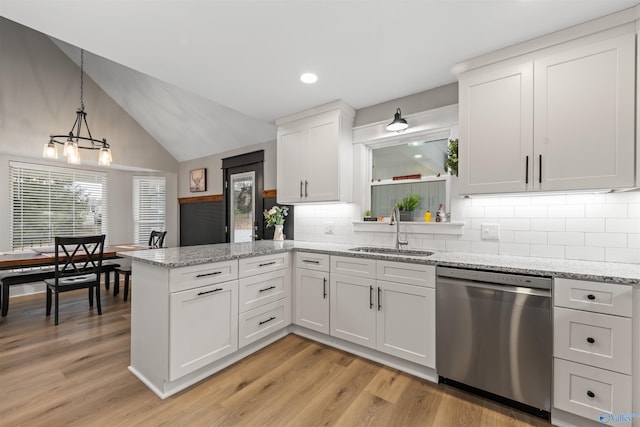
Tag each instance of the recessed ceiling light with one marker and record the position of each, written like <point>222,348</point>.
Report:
<point>418,156</point>
<point>308,78</point>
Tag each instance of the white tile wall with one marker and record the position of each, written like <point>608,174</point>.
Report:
<point>592,227</point>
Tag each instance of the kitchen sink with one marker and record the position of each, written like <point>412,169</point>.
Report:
<point>392,251</point>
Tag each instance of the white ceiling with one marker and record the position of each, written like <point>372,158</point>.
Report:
<point>204,77</point>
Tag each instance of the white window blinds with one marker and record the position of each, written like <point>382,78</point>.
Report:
<point>149,206</point>
<point>49,201</point>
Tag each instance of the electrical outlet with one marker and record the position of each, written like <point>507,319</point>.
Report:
<point>328,227</point>
<point>490,231</point>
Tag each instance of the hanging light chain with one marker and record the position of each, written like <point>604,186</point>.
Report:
<point>82,79</point>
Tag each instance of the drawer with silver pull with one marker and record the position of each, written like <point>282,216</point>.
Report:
<point>312,261</point>
<point>599,297</point>
<point>204,274</point>
<point>258,290</point>
<point>600,340</point>
<point>262,321</point>
<point>589,392</point>
<point>262,264</point>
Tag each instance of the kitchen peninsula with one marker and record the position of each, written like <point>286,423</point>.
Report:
<point>198,309</point>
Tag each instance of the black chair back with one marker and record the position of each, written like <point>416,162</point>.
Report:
<point>156,239</point>
<point>77,256</point>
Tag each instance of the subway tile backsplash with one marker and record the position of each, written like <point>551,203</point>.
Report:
<point>591,227</point>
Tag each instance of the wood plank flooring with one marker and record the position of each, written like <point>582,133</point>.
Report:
<point>76,374</point>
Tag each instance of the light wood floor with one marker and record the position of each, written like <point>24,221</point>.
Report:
<point>76,374</point>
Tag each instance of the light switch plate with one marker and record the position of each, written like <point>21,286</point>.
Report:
<point>328,227</point>
<point>490,231</point>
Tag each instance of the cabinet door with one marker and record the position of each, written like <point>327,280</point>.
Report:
<point>312,299</point>
<point>203,327</point>
<point>496,129</point>
<point>584,116</point>
<point>322,179</point>
<point>353,313</point>
<point>406,322</point>
<point>291,159</point>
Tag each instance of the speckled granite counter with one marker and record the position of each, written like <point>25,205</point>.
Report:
<point>587,270</point>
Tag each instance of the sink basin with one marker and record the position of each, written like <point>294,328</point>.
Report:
<point>392,251</point>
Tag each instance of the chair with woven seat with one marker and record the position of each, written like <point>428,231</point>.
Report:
<point>156,240</point>
<point>78,264</point>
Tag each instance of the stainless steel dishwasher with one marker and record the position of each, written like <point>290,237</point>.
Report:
<point>494,334</point>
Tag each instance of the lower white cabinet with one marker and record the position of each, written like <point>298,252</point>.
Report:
<point>312,292</point>
<point>390,316</point>
<point>203,326</point>
<point>405,327</point>
<point>353,313</point>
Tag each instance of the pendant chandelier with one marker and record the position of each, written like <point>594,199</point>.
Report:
<point>73,142</point>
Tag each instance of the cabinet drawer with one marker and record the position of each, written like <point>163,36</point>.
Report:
<point>352,266</point>
<point>587,391</point>
<point>312,261</point>
<point>261,264</point>
<point>404,272</point>
<point>264,288</point>
<point>262,321</point>
<point>594,339</point>
<point>201,275</point>
<point>607,298</point>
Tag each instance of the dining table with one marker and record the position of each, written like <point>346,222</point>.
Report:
<point>44,256</point>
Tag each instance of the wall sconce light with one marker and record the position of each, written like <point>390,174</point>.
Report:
<point>398,124</point>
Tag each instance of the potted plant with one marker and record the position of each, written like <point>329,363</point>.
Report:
<point>451,164</point>
<point>407,206</point>
<point>367,216</point>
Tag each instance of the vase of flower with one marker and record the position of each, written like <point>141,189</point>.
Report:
<point>277,233</point>
<point>275,217</point>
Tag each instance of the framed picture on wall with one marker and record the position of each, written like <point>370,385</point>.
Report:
<point>198,180</point>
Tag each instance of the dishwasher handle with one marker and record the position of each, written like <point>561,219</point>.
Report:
<point>447,281</point>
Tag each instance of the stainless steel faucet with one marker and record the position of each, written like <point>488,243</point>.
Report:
<point>395,216</point>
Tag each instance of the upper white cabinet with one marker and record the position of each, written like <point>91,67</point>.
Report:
<point>560,118</point>
<point>314,155</point>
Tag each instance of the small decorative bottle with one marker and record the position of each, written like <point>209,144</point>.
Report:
<point>427,216</point>
<point>439,214</point>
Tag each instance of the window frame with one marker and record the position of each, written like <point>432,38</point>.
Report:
<point>142,236</point>
<point>17,170</point>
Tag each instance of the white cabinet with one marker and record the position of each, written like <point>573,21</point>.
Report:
<point>264,289</point>
<point>385,305</point>
<point>353,313</point>
<point>561,118</point>
<point>314,155</point>
<point>593,348</point>
<point>312,291</point>
<point>203,327</point>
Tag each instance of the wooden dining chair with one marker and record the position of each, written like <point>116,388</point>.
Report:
<point>78,264</point>
<point>156,240</point>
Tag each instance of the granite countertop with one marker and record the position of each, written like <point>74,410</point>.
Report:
<point>549,267</point>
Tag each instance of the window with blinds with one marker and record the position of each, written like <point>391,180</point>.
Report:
<point>49,201</point>
<point>149,206</point>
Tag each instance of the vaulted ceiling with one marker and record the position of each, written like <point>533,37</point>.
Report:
<point>204,77</point>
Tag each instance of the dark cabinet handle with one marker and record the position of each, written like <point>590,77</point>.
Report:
<point>526,170</point>
<point>379,304</point>
<point>591,394</point>
<point>208,274</point>
<point>267,289</point>
<point>209,292</point>
<point>301,189</point>
<point>266,263</point>
<point>591,297</point>
<point>311,261</point>
<point>590,340</point>
<point>370,297</point>
<point>267,321</point>
<point>324,288</point>
<point>540,169</point>
<point>306,188</point>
